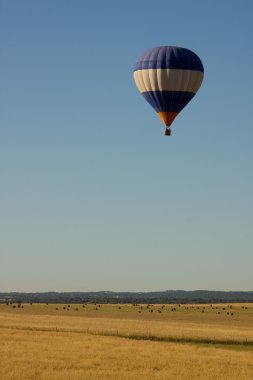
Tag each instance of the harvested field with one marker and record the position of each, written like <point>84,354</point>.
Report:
<point>130,342</point>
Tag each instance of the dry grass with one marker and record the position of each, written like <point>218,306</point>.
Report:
<point>41,343</point>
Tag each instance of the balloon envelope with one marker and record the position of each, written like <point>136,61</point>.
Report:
<point>168,77</point>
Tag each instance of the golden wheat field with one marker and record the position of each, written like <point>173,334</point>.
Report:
<point>91,341</point>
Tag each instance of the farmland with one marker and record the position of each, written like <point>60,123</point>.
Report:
<point>91,341</point>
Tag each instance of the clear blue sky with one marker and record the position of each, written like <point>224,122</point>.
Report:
<point>92,195</point>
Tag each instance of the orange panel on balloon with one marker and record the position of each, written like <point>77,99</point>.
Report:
<point>167,117</point>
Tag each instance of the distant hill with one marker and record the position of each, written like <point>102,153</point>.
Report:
<point>168,296</point>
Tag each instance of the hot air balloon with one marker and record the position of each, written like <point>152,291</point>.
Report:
<point>168,77</point>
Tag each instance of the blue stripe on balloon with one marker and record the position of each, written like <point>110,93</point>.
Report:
<point>168,64</point>
<point>169,57</point>
<point>168,101</point>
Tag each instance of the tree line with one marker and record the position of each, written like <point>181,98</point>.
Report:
<point>168,297</point>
